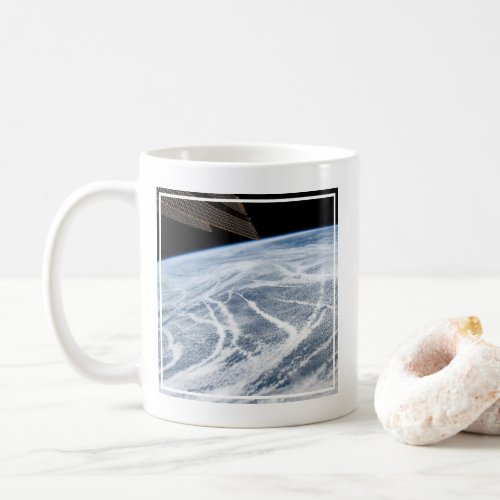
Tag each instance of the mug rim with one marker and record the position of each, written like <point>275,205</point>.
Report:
<point>264,153</point>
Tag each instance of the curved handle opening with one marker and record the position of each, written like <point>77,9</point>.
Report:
<point>110,373</point>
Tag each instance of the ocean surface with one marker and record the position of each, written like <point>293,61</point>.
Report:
<point>251,322</point>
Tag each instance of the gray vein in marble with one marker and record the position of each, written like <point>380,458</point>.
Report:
<point>146,458</point>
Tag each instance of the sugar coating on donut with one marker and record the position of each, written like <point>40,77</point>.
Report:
<point>488,422</point>
<point>439,383</point>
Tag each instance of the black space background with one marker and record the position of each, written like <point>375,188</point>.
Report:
<point>270,219</point>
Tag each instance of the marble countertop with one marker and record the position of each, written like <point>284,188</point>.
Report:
<point>59,432</point>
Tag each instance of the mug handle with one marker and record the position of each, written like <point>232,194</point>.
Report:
<point>110,373</point>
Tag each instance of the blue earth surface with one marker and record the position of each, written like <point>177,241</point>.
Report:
<point>251,322</point>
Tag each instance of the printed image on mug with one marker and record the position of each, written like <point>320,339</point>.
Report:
<point>247,295</point>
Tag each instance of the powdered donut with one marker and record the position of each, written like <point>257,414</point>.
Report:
<point>440,383</point>
<point>488,422</point>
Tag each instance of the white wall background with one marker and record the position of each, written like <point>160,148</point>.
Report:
<point>413,86</point>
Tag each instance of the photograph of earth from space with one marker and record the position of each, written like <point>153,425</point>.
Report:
<point>247,291</point>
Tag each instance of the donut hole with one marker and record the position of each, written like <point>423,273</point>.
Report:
<point>432,356</point>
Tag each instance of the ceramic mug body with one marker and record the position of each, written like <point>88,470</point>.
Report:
<point>249,264</point>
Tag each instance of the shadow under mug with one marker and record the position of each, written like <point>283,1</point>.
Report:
<point>249,270</point>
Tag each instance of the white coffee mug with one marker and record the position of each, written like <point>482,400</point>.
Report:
<point>249,269</point>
